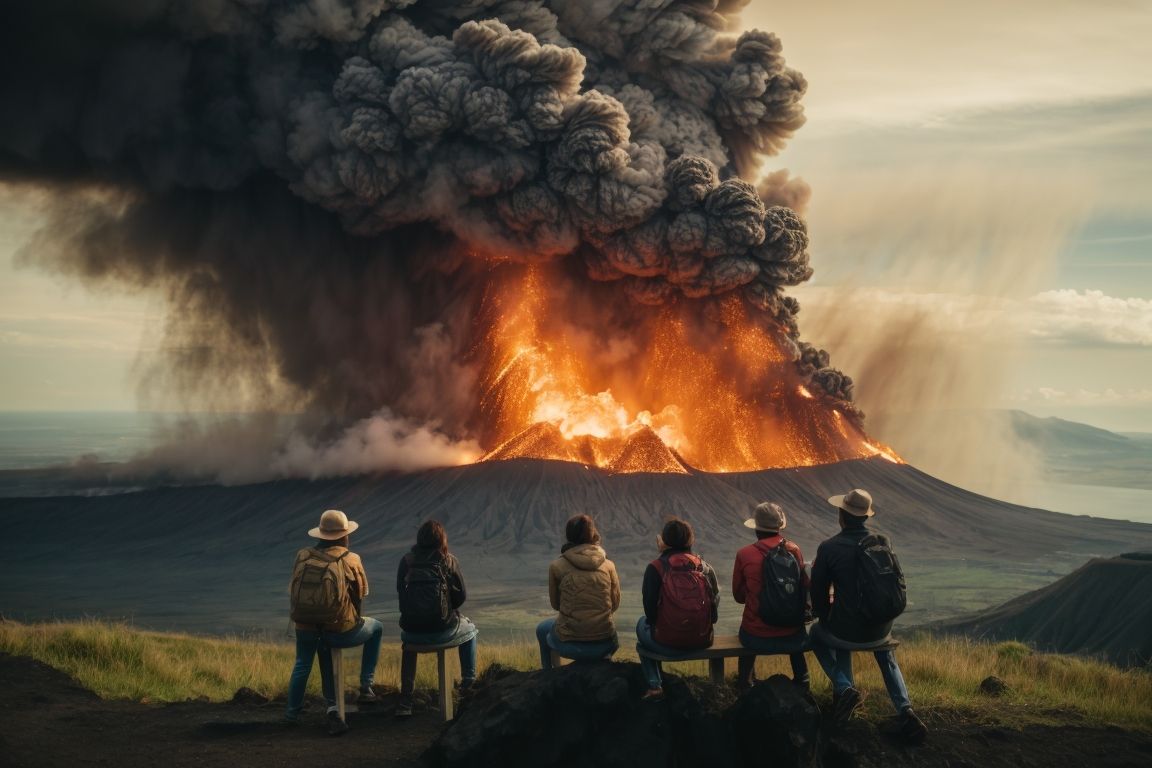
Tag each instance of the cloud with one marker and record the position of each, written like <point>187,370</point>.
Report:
<point>1089,318</point>
<point>1082,397</point>
<point>1060,317</point>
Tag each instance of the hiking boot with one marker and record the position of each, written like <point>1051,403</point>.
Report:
<point>367,695</point>
<point>845,704</point>
<point>404,707</point>
<point>335,725</point>
<point>912,728</point>
<point>289,722</point>
<point>653,694</point>
<point>466,689</point>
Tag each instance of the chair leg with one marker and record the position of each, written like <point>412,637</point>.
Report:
<point>716,670</point>
<point>338,679</point>
<point>445,685</point>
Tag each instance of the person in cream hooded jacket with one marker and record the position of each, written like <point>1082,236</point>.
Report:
<point>585,590</point>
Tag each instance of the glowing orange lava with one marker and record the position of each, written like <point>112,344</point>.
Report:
<point>660,391</point>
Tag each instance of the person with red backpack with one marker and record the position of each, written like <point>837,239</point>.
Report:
<point>681,595</point>
<point>769,579</point>
<point>327,591</point>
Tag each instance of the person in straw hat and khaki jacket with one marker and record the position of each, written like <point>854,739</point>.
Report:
<point>349,630</point>
<point>835,602</point>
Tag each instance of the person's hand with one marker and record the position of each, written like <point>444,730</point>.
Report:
<point>660,545</point>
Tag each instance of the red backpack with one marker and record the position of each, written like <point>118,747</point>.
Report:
<point>684,612</point>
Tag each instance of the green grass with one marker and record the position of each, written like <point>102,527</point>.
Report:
<point>118,661</point>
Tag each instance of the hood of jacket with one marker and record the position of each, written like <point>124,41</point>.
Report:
<point>586,557</point>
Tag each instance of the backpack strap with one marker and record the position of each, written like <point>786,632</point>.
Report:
<point>665,566</point>
<point>329,557</point>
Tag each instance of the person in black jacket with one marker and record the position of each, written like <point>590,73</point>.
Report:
<point>675,545</point>
<point>431,589</point>
<point>836,603</point>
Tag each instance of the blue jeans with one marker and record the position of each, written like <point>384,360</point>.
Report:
<point>793,645</point>
<point>309,642</point>
<point>651,667</point>
<point>463,632</point>
<point>592,650</point>
<point>837,664</point>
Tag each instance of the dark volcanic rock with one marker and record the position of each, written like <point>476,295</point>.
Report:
<point>777,713</point>
<point>248,696</point>
<point>585,715</point>
<point>993,686</point>
<point>592,715</point>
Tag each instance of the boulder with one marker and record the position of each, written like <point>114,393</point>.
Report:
<point>592,714</point>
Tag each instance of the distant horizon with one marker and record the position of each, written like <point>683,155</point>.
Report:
<point>1082,415</point>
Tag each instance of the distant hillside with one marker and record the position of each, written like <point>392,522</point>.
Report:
<point>1079,453</point>
<point>1102,609</point>
<point>216,559</point>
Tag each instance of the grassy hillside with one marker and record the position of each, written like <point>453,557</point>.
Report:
<point>118,661</point>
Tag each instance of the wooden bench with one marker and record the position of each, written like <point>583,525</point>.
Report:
<point>445,681</point>
<point>338,681</point>
<point>723,647</point>
<point>728,646</point>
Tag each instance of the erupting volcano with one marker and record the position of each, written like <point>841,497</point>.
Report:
<point>718,392</point>
<point>465,229</point>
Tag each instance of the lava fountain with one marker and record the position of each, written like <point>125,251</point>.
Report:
<point>718,391</point>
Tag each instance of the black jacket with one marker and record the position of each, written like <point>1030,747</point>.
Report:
<point>457,593</point>
<point>653,580</point>
<point>836,566</point>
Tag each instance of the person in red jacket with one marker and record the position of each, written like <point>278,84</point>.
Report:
<point>768,520</point>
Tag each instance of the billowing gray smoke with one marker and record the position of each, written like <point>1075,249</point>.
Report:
<point>316,183</point>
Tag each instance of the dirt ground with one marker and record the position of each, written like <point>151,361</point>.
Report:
<point>46,719</point>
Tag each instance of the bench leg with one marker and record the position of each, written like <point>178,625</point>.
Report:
<point>445,685</point>
<point>716,670</point>
<point>338,679</point>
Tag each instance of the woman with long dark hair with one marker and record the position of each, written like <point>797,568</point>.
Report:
<point>431,589</point>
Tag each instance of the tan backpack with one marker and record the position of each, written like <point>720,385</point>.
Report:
<point>319,589</point>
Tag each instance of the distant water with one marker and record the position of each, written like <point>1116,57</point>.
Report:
<point>1133,504</point>
<point>30,440</point>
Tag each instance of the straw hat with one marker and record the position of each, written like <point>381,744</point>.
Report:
<point>857,502</point>
<point>334,524</point>
<point>768,517</point>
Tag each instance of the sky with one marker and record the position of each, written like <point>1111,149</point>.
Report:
<point>981,218</point>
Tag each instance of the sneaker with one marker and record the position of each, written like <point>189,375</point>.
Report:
<point>845,704</point>
<point>367,695</point>
<point>467,685</point>
<point>912,728</point>
<point>289,722</point>
<point>336,726</point>
<point>653,694</point>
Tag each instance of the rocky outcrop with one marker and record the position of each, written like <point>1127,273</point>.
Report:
<point>592,715</point>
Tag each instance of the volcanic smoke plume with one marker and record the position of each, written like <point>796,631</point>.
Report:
<point>473,216</point>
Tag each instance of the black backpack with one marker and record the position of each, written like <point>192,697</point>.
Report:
<point>782,599</point>
<point>424,602</point>
<point>883,593</point>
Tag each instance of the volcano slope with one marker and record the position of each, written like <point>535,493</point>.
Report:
<point>1102,609</point>
<point>217,559</point>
